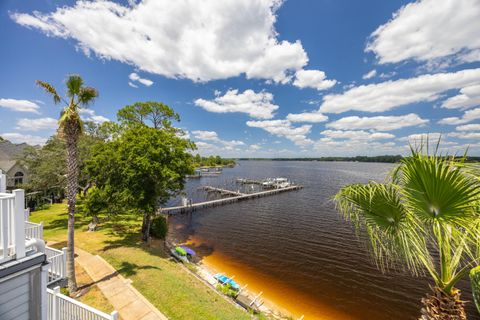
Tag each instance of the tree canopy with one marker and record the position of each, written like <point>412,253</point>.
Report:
<point>142,167</point>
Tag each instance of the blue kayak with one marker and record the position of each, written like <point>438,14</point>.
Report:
<point>223,279</point>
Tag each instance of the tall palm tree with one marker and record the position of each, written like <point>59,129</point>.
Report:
<point>70,128</point>
<point>425,219</point>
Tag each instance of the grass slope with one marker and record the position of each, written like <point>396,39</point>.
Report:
<point>165,284</point>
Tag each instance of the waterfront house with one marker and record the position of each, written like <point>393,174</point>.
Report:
<point>31,273</point>
<point>10,154</point>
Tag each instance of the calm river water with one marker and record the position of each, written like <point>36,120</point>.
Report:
<point>296,248</point>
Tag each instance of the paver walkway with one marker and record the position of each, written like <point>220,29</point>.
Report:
<point>130,304</point>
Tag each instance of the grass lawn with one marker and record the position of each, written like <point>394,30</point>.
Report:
<point>174,291</point>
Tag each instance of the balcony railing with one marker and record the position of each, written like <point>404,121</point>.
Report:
<point>61,307</point>
<point>33,230</point>
<point>12,230</point>
<point>57,267</point>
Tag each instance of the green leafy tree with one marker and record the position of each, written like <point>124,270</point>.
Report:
<point>149,113</point>
<point>426,219</point>
<point>70,129</point>
<point>142,167</point>
<point>46,165</point>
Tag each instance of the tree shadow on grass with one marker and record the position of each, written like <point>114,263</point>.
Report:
<point>62,223</point>
<point>128,269</point>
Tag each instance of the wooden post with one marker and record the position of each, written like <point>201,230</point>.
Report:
<point>19,223</point>
<point>114,315</point>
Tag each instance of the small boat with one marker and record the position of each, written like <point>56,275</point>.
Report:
<point>180,254</point>
<point>223,279</point>
<point>190,252</point>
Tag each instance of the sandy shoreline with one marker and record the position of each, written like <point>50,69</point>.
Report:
<point>207,272</point>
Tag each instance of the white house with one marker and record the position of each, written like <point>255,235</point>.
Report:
<point>28,268</point>
<point>9,164</point>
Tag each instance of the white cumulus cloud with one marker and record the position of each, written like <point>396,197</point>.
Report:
<point>468,116</point>
<point>90,115</point>
<point>468,97</point>
<point>37,124</point>
<point>16,137</point>
<point>198,40</point>
<point>369,74</point>
<point>256,105</point>
<point>356,135</point>
<point>380,123</point>
<point>469,127</point>
<point>313,79</point>
<point>212,136</point>
<point>284,128</point>
<point>430,29</point>
<point>312,117</point>
<point>19,105</point>
<point>135,77</point>
<point>384,96</point>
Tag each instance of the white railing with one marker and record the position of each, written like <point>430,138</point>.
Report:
<point>33,230</point>
<point>57,264</point>
<point>12,225</point>
<point>3,182</point>
<point>27,214</point>
<point>61,307</point>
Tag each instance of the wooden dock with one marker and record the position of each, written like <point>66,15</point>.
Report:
<point>219,202</point>
<point>222,191</point>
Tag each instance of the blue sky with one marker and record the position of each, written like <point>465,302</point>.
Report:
<point>255,78</point>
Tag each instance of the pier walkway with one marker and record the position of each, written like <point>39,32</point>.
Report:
<point>219,202</point>
<point>222,191</point>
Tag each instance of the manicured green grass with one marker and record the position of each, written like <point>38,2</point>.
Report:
<point>174,291</point>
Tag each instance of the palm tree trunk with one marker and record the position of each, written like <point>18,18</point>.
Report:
<point>72,187</point>
<point>442,306</point>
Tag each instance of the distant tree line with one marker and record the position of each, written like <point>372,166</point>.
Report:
<point>212,161</point>
<point>384,159</point>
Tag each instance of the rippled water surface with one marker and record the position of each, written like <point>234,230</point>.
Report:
<point>296,248</point>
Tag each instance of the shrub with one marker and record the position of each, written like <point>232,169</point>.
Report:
<point>159,227</point>
<point>227,290</point>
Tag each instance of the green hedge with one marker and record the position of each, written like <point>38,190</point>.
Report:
<point>475,280</point>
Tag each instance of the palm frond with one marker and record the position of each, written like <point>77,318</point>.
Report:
<point>49,89</point>
<point>86,95</point>
<point>377,209</point>
<point>437,189</point>
<point>74,83</point>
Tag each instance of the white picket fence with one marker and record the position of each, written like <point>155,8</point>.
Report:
<point>33,230</point>
<point>61,307</point>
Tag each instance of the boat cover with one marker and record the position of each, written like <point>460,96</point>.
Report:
<point>189,251</point>
<point>181,251</point>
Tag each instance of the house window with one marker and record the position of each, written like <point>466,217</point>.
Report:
<point>18,178</point>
